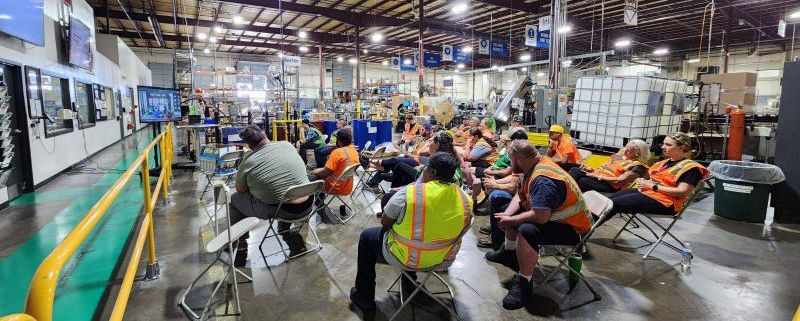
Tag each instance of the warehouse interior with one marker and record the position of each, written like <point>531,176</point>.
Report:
<point>603,160</point>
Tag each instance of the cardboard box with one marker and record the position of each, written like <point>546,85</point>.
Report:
<point>744,99</point>
<point>732,81</point>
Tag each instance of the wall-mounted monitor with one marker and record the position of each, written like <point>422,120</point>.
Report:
<point>80,48</point>
<point>159,104</point>
<point>23,19</point>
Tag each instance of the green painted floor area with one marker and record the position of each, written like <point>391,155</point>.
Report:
<point>86,278</point>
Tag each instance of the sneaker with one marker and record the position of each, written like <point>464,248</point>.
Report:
<point>485,230</point>
<point>519,294</point>
<point>361,303</point>
<point>504,257</point>
<point>485,242</point>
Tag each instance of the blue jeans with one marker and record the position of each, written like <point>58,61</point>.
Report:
<point>370,252</point>
<point>321,155</point>
<point>498,202</point>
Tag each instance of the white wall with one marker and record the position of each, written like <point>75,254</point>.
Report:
<point>52,155</point>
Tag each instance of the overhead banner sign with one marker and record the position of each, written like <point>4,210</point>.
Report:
<point>483,47</point>
<point>432,60</point>
<point>460,56</point>
<point>396,63</point>
<point>531,33</point>
<point>782,28</point>
<point>291,61</point>
<point>407,62</point>
<point>545,23</point>
<point>447,53</point>
<point>499,48</point>
<point>631,16</point>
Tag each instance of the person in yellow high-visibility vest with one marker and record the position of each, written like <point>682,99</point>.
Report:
<point>421,227</point>
<point>547,210</point>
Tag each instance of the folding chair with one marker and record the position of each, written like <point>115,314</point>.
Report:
<point>430,271</point>
<point>348,174</point>
<point>237,155</point>
<point>294,192</point>
<point>666,229</point>
<point>223,241</point>
<point>598,205</point>
<point>369,172</point>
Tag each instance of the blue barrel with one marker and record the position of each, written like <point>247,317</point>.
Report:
<point>329,126</point>
<point>360,133</point>
<point>384,131</point>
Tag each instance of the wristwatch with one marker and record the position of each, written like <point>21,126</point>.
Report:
<point>655,186</point>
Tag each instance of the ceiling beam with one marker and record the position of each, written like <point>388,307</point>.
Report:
<point>353,18</point>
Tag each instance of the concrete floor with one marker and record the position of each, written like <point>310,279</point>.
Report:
<point>741,271</point>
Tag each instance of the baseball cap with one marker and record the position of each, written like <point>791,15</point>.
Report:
<point>516,119</point>
<point>507,136</point>
<point>427,126</point>
<point>556,129</point>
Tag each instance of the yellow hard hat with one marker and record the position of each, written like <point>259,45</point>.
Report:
<point>556,129</point>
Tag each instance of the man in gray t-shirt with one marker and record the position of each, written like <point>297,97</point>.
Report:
<point>263,177</point>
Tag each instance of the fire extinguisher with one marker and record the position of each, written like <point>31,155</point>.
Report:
<point>735,133</point>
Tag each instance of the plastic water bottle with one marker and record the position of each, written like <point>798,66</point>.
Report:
<point>686,260</point>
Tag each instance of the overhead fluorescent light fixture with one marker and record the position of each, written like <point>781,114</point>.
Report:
<point>494,67</point>
<point>280,55</point>
<point>302,34</point>
<point>219,29</point>
<point>407,61</point>
<point>525,57</point>
<point>566,63</point>
<point>459,8</point>
<point>661,51</point>
<point>385,63</point>
<point>365,51</point>
<point>206,50</point>
<point>202,36</point>
<point>795,15</point>
<point>502,69</point>
<point>376,37</point>
<point>460,66</point>
<point>622,43</point>
<point>467,49</point>
<point>353,61</point>
<point>212,39</point>
<point>237,19</point>
<point>565,29</point>
<point>339,59</point>
<point>303,49</point>
<point>539,74</point>
<point>694,61</point>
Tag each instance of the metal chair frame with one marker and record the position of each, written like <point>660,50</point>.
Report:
<point>294,192</point>
<point>347,174</point>
<point>228,177</point>
<point>430,271</point>
<point>368,173</point>
<point>635,217</point>
<point>244,226</point>
<point>600,206</point>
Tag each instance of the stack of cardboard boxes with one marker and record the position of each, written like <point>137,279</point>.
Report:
<point>737,89</point>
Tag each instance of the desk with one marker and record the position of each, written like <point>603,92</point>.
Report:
<point>196,129</point>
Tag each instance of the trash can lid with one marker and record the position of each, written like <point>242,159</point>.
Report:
<point>750,172</point>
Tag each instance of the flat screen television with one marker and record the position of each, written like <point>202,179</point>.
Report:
<point>80,49</point>
<point>159,104</point>
<point>23,19</point>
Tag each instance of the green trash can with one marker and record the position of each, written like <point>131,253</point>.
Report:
<point>741,190</point>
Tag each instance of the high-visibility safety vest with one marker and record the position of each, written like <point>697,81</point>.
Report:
<point>410,131</point>
<point>420,148</point>
<point>342,186</point>
<point>492,156</point>
<point>573,211</point>
<point>319,140</point>
<point>436,217</point>
<point>564,147</point>
<point>669,177</point>
<point>617,166</point>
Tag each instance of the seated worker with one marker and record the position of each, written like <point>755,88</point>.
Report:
<point>460,128</point>
<point>548,209</point>
<point>488,128</point>
<point>404,174</point>
<point>616,173</point>
<point>562,150</point>
<point>516,122</point>
<point>410,133</point>
<point>342,157</point>
<point>462,136</point>
<point>312,140</point>
<point>261,181</point>
<point>671,181</point>
<point>501,167</point>
<point>445,211</point>
<point>321,153</point>
<point>386,166</point>
<point>480,151</point>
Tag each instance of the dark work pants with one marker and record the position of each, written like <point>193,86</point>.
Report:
<point>370,252</point>
<point>390,165</point>
<point>587,183</point>
<point>568,166</point>
<point>550,233</point>
<point>631,201</point>
<point>498,202</point>
<point>305,147</point>
<point>321,155</point>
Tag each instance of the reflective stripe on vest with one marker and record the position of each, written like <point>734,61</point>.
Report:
<point>569,211</point>
<point>346,165</point>
<point>420,250</point>
<point>616,167</point>
<point>490,157</point>
<point>669,177</point>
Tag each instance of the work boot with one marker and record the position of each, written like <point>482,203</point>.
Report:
<point>519,294</point>
<point>504,257</point>
<point>343,211</point>
<point>486,230</point>
<point>362,303</point>
<point>295,242</point>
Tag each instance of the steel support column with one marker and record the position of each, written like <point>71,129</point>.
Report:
<point>358,72</point>
<point>421,60</point>
<point>321,80</point>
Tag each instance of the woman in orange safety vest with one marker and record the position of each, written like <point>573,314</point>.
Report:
<point>616,173</point>
<point>671,181</point>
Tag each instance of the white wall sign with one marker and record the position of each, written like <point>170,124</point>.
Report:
<point>291,61</point>
<point>631,15</point>
<point>447,53</point>
<point>483,47</point>
<point>545,23</point>
<point>782,28</point>
<point>531,32</point>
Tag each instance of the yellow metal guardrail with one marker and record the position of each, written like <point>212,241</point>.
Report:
<point>39,302</point>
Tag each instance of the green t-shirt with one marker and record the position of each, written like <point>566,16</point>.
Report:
<point>270,171</point>
<point>502,162</point>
